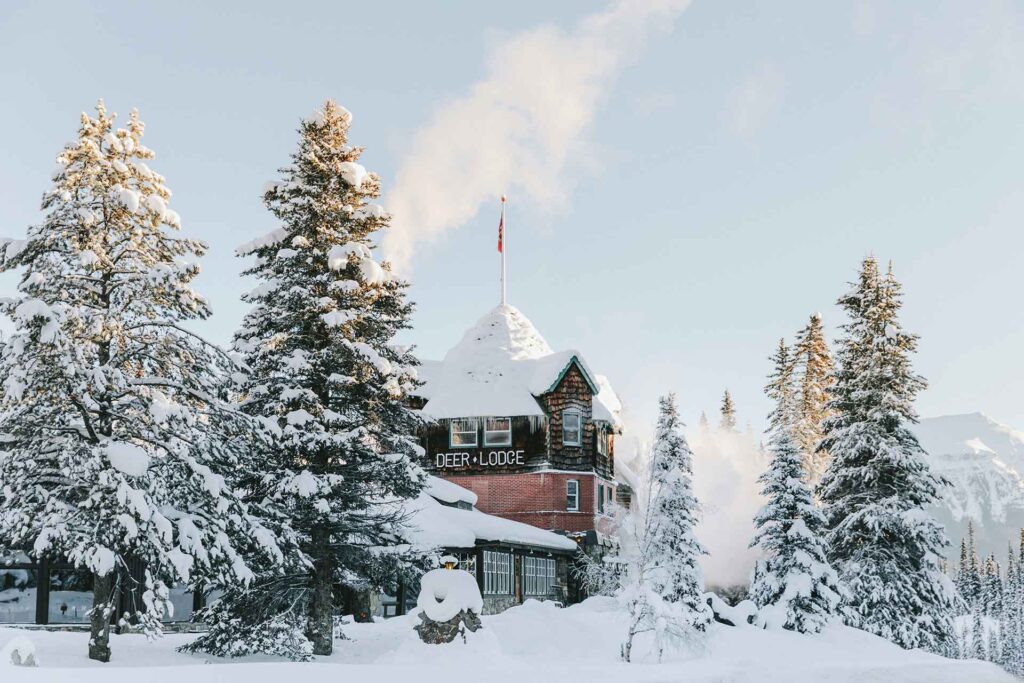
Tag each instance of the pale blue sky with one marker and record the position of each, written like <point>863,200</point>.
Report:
<point>733,169</point>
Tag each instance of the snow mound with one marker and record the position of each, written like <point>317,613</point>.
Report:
<point>446,592</point>
<point>19,651</point>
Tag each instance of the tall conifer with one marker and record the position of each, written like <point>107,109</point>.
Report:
<point>877,487</point>
<point>117,443</point>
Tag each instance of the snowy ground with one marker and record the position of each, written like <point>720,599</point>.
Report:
<point>534,643</point>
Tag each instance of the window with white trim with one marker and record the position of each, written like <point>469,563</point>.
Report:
<point>497,573</point>
<point>572,427</point>
<point>498,431</point>
<point>463,432</point>
<point>572,495</point>
<point>467,562</point>
<point>602,442</point>
<point>538,575</point>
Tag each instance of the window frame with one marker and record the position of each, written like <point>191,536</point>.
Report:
<point>506,432</point>
<point>578,414</point>
<point>572,499</point>
<point>475,432</point>
<point>600,499</point>
<point>539,576</point>
<point>602,441</point>
<point>498,567</point>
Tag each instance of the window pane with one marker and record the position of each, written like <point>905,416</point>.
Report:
<point>498,431</point>
<point>18,589</point>
<point>70,597</point>
<point>571,428</point>
<point>463,432</point>
<point>183,600</point>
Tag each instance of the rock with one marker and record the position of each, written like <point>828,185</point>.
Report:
<point>440,632</point>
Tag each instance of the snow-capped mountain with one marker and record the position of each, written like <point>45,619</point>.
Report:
<point>984,462</point>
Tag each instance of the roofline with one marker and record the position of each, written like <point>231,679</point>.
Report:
<point>583,371</point>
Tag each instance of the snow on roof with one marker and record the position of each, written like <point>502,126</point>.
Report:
<point>448,492</point>
<point>433,525</point>
<point>498,368</point>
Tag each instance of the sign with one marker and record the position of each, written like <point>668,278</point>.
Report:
<point>481,459</point>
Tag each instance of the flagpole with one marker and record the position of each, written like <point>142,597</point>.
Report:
<point>504,249</point>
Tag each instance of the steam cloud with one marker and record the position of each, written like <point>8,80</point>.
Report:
<point>726,466</point>
<point>516,130</point>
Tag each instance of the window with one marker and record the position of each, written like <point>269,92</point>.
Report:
<point>538,575</point>
<point>497,573</point>
<point>467,562</point>
<point>572,428</point>
<point>572,495</point>
<point>602,442</point>
<point>611,496</point>
<point>463,432</point>
<point>600,498</point>
<point>498,431</point>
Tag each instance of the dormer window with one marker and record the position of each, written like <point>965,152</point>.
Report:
<point>498,431</point>
<point>464,432</point>
<point>602,442</point>
<point>572,428</point>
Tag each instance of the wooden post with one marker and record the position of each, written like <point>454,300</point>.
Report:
<point>43,592</point>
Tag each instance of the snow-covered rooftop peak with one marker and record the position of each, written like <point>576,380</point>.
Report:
<point>499,367</point>
<point>503,333</point>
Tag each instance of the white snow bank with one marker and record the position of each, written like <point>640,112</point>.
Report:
<point>536,642</point>
<point>446,592</point>
<point>18,651</point>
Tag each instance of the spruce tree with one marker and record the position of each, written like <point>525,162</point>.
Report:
<point>662,581</point>
<point>878,484</point>
<point>813,375</point>
<point>326,376</point>
<point>117,443</point>
<point>794,583</point>
<point>728,413</point>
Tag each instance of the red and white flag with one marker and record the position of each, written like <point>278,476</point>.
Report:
<point>501,227</point>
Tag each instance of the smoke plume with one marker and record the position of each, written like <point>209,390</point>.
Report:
<point>518,128</point>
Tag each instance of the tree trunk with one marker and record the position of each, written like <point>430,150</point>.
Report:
<point>104,597</point>
<point>321,623</point>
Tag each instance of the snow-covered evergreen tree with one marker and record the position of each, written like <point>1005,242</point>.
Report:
<point>794,584</point>
<point>727,419</point>
<point>813,377</point>
<point>326,376</point>
<point>992,587</point>
<point>977,646</point>
<point>662,579</point>
<point>884,544</point>
<point>117,444</point>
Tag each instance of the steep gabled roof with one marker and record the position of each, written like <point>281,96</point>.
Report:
<point>499,367</point>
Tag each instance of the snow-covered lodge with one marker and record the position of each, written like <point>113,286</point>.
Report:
<point>521,451</point>
<point>531,433</point>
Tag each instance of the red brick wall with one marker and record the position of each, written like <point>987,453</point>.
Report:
<point>536,498</point>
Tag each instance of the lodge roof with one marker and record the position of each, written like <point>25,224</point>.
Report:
<point>435,523</point>
<point>500,367</point>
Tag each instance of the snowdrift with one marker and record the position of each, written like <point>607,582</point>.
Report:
<point>536,642</point>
